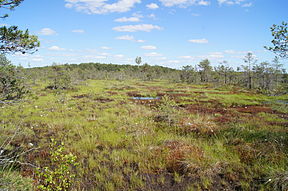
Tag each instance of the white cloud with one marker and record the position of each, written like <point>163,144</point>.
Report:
<point>140,41</point>
<point>187,57</point>
<point>78,31</point>
<point>37,59</point>
<point>173,61</point>
<point>184,3</point>
<point>247,5</point>
<point>94,57</point>
<point>104,54</point>
<point>127,19</point>
<point>204,3</point>
<point>126,37</point>
<point>129,38</point>
<point>100,6</point>
<point>153,54</point>
<point>135,28</point>
<point>234,2</point>
<point>199,41</point>
<point>235,52</point>
<point>152,16</point>
<point>152,6</point>
<point>105,48</point>
<point>69,5</point>
<point>119,56</point>
<point>216,55</point>
<point>47,32</point>
<point>56,48</point>
<point>137,15</point>
<point>149,47</point>
<point>160,58</point>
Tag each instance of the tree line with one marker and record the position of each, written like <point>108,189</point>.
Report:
<point>263,76</point>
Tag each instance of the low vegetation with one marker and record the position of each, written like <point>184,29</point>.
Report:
<point>190,137</point>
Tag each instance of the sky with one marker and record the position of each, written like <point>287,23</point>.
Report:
<point>171,33</point>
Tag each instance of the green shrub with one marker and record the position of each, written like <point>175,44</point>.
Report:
<point>11,84</point>
<point>58,175</point>
<point>60,79</point>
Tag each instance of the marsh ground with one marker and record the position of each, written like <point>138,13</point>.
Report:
<point>195,137</point>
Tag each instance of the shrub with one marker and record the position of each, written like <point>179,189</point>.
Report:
<point>11,84</point>
<point>60,78</point>
<point>58,175</point>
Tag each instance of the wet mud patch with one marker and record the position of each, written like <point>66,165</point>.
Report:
<point>81,96</point>
<point>134,94</point>
<point>103,100</point>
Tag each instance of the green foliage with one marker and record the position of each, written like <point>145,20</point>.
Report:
<point>280,41</point>
<point>60,78</point>
<point>59,175</point>
<point>167,111</point>
<point>188,74</point>
<point>9,4</point>
<point>138,60</point>
<point>250,60</point>
<point>205,70</point>
<point>14,40</point>
<point>11,84</point>
<point>225,72</point>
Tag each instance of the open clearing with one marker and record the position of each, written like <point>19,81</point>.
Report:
<point>192,138</point>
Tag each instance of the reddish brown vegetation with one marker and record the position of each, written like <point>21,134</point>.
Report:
<point>177,155</point>
<point>254,109</point>
<point>134,94</point>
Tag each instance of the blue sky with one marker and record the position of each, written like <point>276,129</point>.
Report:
<point>170,33</point>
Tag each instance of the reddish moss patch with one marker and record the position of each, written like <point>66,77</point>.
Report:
<point>254,109</point>
<point>197,108</point>
<point>176,154</point>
